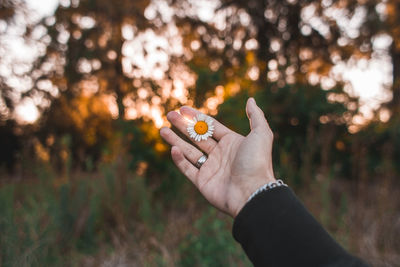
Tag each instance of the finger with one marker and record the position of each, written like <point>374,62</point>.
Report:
<point>256,116</point>
<point>219,129</point>
<point>181,123</point>
<point>183,164</point>
<point>189,151</point>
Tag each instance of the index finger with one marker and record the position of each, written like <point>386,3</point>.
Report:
<point>219,129</point>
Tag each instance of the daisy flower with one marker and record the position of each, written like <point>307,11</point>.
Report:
<point>201,127</point>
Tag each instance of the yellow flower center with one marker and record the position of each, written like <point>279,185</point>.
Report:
<point>201,127</point>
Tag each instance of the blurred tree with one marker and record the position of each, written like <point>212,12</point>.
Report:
<point>10,140</point>
<point>85,122</point>
<point>99,49</point>
<point>11,14</point>
<point>84,48</point>
<point>81,73</point>
<point>294,41</point>
<point>7,12</point>
<point>392,28</point>
<point>90,53</point>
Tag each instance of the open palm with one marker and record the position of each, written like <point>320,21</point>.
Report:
<point>236,165</point>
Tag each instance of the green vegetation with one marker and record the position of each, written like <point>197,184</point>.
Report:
<point>49,222</point>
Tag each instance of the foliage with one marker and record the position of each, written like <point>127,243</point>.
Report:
<point>45,224</point>
<point>51,221</point>
<point>212,245</point>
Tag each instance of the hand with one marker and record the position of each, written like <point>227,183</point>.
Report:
<point>236,165</point>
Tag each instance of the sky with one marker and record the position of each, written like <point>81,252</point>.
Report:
<point>43,7</point>
<point>369,79</point>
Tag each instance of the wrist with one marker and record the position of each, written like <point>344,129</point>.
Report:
<point>266,187</point>
<point>248,189</point>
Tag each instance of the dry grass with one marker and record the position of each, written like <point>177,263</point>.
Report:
<point>363,216</point>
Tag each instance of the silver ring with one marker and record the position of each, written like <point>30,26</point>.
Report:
<point>201,161</point>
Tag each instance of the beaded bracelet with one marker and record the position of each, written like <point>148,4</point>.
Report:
<point>267,186</point>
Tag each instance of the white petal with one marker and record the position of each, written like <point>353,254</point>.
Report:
<point>201,117</point>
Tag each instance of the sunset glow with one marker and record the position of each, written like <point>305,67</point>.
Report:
<point>368,79</point>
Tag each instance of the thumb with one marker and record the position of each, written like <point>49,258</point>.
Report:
<point>255,115</point>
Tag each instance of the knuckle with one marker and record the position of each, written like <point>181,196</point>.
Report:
<point>192,154</point>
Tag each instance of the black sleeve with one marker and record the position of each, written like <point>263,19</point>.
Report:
<point>275,229</point>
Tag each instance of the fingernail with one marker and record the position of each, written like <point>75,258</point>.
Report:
<point>169,114</point>
<point>253,100</point>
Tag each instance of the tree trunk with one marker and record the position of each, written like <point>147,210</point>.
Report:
<point>119,79</point>
<point>395,54</point>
